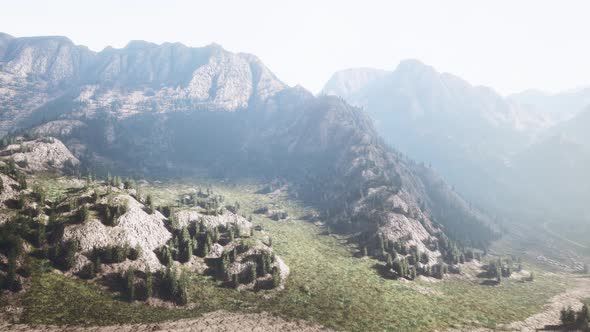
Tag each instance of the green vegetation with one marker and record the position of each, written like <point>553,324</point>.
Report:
<point>328,283</point>
<point>572,320</point>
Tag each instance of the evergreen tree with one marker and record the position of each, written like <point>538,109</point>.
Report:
<point>276,278</point>
<point>70,254</point>
<point>130,286</point>
<point>88,271</point>
<point>182,289</point>
<point>253,274</point>
<point>22,181</point>
<point>97,264</point>
<point>149,204</point>
<point>84,213</point>
<point>389,261</point>
<point>236,280</point>
<point>424,258</point>
<point>149,283</point>
<point>11,282</point>
<point>380,245</point>
<point>583,317</point>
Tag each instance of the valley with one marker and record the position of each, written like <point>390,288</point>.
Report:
<point>329,284</point>
<point>179,188</point>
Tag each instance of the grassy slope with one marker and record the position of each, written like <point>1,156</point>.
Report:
<point>327,285</point>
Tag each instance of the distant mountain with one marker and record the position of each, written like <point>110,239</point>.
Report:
<point>558,107</point>
<point>170,109</point>
<point>553,172</point>
<point>347,83</point>
<point>466,132</point>
<point>494,149</point>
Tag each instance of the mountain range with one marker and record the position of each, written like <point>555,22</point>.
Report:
<point>507,153</point>
<point>169,110</point>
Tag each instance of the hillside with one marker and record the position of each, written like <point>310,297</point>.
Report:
<point>477,139</point>
<point>141,253</point>
<point>153,108</point>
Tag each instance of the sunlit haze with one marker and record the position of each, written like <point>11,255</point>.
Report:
<point>507,45</point>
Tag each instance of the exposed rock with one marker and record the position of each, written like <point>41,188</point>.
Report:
<point>226,219</point>
<point>135,228</point>
<point>42,154</point>
<point>8,192</point>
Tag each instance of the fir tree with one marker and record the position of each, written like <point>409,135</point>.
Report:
<point>276,278</point>
<point>236,280</point>
<point>253,274</point>
<point>130,285</point>
<point>149,283</point>
<point>149,204</point>
<point>389,261</point>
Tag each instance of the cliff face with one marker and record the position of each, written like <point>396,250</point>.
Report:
<point>41,78</point>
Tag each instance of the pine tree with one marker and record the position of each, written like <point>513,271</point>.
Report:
<point>583,316</point>
<point>11,282</point>
<point>186,249</point>
<point>276,278</point>
<point>97,264</point>
<point>389,261</point>
<point>130,277</point>
<point>236,280</point>
<point>149,283</point>
<point>84,213</point>
<point>182,289</point>
<point>70,254</point>
<point>380,245</point>
<point>22,181</point>
<point>424,258</point>
<point>149,204</point>
<point>253,274</point>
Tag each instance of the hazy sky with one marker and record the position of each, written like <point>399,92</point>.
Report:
<point>507,45</point>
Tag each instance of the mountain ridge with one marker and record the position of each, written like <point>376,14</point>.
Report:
<point>138,109</point>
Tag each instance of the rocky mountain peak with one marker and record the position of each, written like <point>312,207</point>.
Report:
<point>349,81</point>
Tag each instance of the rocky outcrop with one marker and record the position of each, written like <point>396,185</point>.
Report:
<point>135,228</point>
<point>42,154</point>
<point>224,220</point>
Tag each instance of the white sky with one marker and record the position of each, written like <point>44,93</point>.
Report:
<point>507,45</point>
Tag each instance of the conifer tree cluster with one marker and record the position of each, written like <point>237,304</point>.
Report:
<point>572,320</point>
<point>407,261</point>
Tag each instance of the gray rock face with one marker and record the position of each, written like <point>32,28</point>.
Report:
<point>135,228</point>
<point>224,220</point>
<point>349,82</point>
<point>43,154</point>
<point>41,75</point>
